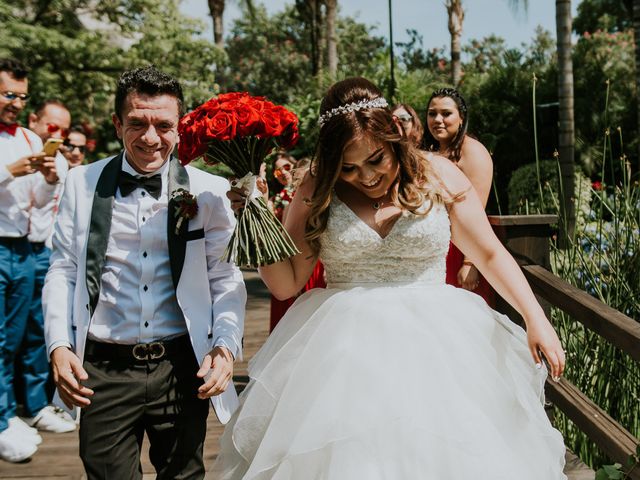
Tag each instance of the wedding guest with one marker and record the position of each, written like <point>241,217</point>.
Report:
<point>389,372</point>
<point>286,170</point>
<point>143,319</point>
<point>27,177</point>
<point>74,148</point>
<point>51,119</point>
<point>447,122</point>
<point>409,121</point>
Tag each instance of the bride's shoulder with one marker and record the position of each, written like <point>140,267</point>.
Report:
<point>448,174</point>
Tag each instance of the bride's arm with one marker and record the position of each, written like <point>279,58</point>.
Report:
<point>473,235</point>
<point>285,279</point>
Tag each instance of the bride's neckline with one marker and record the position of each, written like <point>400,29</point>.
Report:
<point>366,224</point>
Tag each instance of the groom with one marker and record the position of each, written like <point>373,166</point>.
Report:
<point>143,319</point>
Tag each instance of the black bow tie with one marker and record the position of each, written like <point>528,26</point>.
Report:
<point>128,183</point>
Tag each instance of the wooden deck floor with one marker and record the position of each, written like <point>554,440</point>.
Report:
<point>57,457</point>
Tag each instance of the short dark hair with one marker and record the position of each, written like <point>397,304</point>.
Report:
<point>78,129</point>
<point>40,108</point>
<point>16,68</point>
<point>148,81</point>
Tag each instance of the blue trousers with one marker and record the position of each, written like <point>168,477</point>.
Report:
<point>32,360</point>
<point>16,292</point>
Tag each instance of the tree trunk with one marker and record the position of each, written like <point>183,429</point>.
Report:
<point>332,37</point>
<point>636,36</point>
<point>216,9</point>
<point>455,13</point>
<point>566,123</point>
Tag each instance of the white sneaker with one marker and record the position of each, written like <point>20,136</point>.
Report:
<point>52,419</point>
<point>21,428</point>
<point>15,448</point>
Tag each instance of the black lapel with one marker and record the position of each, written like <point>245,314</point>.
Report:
<point>100,227</point>
<point>178,178</point>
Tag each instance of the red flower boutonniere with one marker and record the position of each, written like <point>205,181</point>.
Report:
<point>187,206</point>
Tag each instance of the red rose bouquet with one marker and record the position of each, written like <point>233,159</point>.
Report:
<point>240,131</point>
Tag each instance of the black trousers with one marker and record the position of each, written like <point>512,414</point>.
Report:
<point>132,397</point>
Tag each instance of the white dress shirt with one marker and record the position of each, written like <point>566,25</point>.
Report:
<point>18,194</point>
<point>41,219</point>
<point>137,302</point>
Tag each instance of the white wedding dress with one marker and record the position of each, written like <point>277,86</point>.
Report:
<point>391,374</point>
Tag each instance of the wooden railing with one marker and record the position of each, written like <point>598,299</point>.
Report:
<point>527,238</point>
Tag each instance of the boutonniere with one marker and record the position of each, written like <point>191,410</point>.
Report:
<point>187,206</point>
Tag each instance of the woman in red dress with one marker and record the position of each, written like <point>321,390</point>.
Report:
<point>446,133</point>
<point>287,171</point>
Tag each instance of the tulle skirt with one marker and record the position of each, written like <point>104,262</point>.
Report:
<point>393,382</point>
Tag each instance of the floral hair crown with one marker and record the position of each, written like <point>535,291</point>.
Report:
<point>378,102</point>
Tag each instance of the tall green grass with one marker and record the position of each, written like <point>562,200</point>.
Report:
<point>602,258</point>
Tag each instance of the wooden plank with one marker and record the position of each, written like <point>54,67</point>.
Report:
<point>511,220</point>
<point>621,330</point>
<point>605,432</point>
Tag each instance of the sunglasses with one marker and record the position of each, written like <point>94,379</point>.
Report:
<point>11,96</point>
<point>53,128</point>
<point>71,147</point>
<point>404,118</point>
<point>284,168</point>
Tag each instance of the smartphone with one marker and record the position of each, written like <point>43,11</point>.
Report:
<point>51,146</point>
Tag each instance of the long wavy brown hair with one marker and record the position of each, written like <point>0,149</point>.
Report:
<point>418,185</point>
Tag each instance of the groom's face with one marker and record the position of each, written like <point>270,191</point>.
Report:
<point>149,129</point>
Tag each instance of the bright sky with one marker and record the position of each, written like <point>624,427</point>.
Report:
<point>428,17</point>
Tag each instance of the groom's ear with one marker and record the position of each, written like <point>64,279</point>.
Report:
<point>117,124</point>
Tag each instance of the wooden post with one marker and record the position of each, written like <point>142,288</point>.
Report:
<point>527,239</point>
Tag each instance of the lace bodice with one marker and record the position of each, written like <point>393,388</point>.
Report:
<point>414,251</point>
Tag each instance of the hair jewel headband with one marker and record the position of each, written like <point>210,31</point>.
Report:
<point>378,102</point>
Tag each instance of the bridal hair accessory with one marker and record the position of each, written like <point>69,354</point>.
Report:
<point>378,102</point>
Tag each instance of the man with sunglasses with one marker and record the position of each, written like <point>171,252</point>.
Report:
<point>27,177</point>
<point>74,147</point>
<point>50,119</point>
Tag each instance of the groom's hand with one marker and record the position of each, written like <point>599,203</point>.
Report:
<point>67,374</point>
<point>217,370</point>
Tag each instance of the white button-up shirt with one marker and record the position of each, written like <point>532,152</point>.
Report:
<point>137,302</point>
<point>18,194</point>
<point>41,219</point>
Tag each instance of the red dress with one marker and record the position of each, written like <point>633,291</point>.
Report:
<point>454,263</point>
<point>280,307</point>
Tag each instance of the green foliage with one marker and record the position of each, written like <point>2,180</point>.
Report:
<point>524,197</point>
<point>603,259</point>
<point>77,50</point>
<point>604,59</point>
<point>607,15</point>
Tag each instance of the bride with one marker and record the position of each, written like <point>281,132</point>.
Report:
<point>389,373</point>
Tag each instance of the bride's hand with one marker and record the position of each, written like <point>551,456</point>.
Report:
<point>468,277</point>
<point>543,339</point>
<point>238,196</point>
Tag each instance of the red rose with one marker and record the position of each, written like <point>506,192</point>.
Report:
<point>270,123</point>
<point>222,126</point>
<point>248,119</point>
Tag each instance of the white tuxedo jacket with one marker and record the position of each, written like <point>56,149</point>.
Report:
<point>211,293</point>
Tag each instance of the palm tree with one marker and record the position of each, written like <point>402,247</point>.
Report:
<point>566,129</point>
<point>566,126</point>
<point>332,38</point>
<point>455,13</point>
<point>216,10</point>
<point>636,35</point>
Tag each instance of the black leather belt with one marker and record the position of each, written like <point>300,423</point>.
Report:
<point>8,241</point>
<point>140,352</point>
<point>37,247</point>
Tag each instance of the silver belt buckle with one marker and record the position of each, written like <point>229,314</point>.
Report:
<point>148,351</point>
<point>156,350</point>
